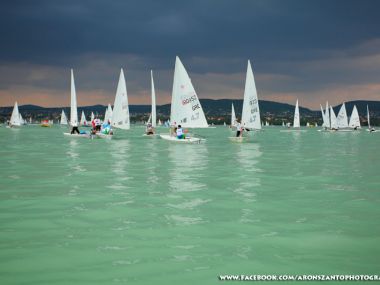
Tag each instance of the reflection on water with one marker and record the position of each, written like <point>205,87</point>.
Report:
<point>74,164</point>
<point>152,163</point>
<point>247,156</point>
<point>189,166</point>
<point>120,155</point>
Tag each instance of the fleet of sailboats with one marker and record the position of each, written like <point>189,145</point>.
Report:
<point>186,110</point>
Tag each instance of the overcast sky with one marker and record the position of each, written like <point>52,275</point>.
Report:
<point>311,50</point>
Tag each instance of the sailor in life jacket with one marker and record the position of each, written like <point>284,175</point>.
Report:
<point>180,134</point>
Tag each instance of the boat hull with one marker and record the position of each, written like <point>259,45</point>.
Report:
<point>186,140</point>
<point>87,136</point>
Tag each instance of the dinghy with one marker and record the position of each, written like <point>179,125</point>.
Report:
<point>233,116</point>
<point>83,120</point>
<point>151,125</point>
<point>342,119</point>
<point>120,115</point>
<point>296,121</point>
<point>15,117</point>
<point>74,111</point>
<point>186,110</point>
<point>250,118</point>
<point>370,129</point>
<point>354,119</point>
<point>63,118</point>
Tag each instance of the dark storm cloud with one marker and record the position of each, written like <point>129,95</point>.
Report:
<point>55,31</point>
<point>306,49</point>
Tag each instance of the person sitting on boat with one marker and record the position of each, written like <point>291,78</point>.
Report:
<point>98,124</point>
<point>106,129</point>
<point>180,133</point>
<point>239,129</point>
<point>149,129</point>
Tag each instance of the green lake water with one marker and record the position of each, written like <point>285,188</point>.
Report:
<point>138,210</point>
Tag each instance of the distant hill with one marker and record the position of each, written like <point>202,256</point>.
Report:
<point>215,110</point>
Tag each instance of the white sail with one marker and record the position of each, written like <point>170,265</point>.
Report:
<point>251,112</point>
<point>327,115</point>
<point>283,123</point>
<point>354,119</point>
<point>22,120</point>
<point>233,116</point>
<point>92,116</point>
<point>120,116</point>
<point>369,124</point>
<point>324,119</point>
<point>73,109</point>
<point>15,117</point>
<point>186,110</point>
<point>342,120</point>
<point>83,121</point>
<point>159,122</point>
<point>153,113</point>
<point>149,119</point>
<point>296,122</point>
<point>110,113</point>
<point>334,124</point>
<point>63,118</point>
<point>106,116</point>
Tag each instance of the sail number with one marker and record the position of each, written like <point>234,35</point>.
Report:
<point>189,100</point>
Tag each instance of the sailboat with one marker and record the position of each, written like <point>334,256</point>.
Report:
<point>159,122</point>
<point>83,120</point>
<point>15,117</point>
<point>325,118</point>
<point>120,116</point>
<point>63,118</point>
<point>342,120</point>
<point>73,109</point>
<point>92,116</point>
<point>233,116</point>
<point>186,110</point>
<point>354,119</point>
<point>250,118</point>
<point>333,120</point>
<point>296,122</point>
<point>370,129</point>
<point>108,114</point>
<point>152,121</point>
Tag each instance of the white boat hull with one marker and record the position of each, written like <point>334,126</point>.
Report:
<point>103,136</point>
<point>87,136</point>
<point>186,140</point>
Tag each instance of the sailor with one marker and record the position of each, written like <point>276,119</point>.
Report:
<point>239,129</point>
<point>149,129</point>
<point>180,133</point>
<point>97,124</point>
<point>75,129</point>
